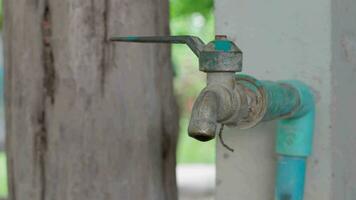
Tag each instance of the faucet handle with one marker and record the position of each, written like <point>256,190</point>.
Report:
<point>194,43</point>
<point>219,55</point>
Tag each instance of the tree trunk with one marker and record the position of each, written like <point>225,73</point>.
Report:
<point>87,119</point>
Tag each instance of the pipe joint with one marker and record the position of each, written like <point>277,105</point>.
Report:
<point>295,134</point>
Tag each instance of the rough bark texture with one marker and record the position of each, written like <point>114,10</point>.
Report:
<point>87,119</point>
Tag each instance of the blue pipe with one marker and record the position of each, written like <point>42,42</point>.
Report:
<point>292,102</point>
<point>290,178</point>
<point>294,145</point>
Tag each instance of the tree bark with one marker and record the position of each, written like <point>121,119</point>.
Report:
<point>87,119</point>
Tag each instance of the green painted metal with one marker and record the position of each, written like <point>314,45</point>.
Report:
<point>220,55</point>
<point>222,45</point>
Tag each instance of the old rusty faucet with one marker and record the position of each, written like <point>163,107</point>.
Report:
<point>220,101</point>
<point>240,100</point>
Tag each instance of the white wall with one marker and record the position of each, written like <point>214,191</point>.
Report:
<point>313,41</point>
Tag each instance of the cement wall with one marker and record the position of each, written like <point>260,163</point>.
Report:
<point>313,41</point>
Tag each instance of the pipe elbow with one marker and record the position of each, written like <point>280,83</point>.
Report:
<point>306,98</point>
<point>295,134</point>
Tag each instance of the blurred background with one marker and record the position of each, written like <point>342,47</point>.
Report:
<point>190,19</point>
<point>3,177</point>
<point>195,169</point>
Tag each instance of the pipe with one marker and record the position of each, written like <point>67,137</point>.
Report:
<point>290,178</point>
<point>293,145</point>
<point>292,102</point>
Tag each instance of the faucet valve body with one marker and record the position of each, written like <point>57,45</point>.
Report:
<point>219,102</point>
<point>220,55</point>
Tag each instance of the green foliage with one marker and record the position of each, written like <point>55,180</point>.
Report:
<point>3,176</point>
<point>182,8</point>
<point>190,18</point>
<point>1,15</point>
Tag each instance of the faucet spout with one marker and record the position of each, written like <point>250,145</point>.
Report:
<point>204,119</point>
<point>219,102</point>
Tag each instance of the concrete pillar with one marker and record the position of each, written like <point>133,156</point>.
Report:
<point>313,41</point>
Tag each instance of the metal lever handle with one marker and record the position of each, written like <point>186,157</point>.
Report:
<point>194,43</point>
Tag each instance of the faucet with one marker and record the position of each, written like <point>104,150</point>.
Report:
<point>220,101</point>
<point>240,100</point>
